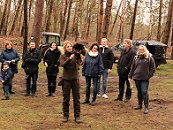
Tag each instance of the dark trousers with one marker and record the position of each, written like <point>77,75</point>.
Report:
<point>51,83</point>
<point>32,88</point>
<point>6,90</point>
<point>10,86</point>
<point>142,88</point>
<point>66,87</point>
<point>121,88</point>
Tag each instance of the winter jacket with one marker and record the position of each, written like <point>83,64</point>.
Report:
<point>51,57</point>
<point>124,63</point>
<point>92,66</point>
<point>70,66</point>
<point>142,69</point>
<point>6,75</point>
<point>31,59</point>
<point>8,55</point>
<point>107,57</point>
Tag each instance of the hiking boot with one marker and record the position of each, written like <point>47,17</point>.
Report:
<point>53,95</point>
<point>48,95</point>
<point>5,98</point>
<point>78,120</point>
<point>138,107</point>
<point>118,99</point>
<point>64,119</point>
<point>145,110</point>
<point>126,100</point>
<point>86,102</point>
<point>93,103</point>
<point>12,92</point>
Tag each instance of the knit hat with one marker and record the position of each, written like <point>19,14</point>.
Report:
<point>6,63</point>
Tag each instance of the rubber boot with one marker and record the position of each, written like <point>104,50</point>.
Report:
<point>139,104</point>
<point>146,105</point>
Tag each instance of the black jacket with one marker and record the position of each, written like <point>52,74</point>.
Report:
<point>6,75</point>
<point>31,59</point>
<point>125,61</point>
<point>107,57</point>
<point>52,59</point>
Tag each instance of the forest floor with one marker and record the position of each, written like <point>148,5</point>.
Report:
<point>45,113</point>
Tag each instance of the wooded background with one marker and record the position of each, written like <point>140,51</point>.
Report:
<point>88,19</point>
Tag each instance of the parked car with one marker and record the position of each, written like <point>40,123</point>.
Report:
<point>157,49</point>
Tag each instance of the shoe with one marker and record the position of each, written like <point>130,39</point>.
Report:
<point>53,95</point>
<point>78,120</point>
<point>12,92</point>
<point>64,119</point>
<point>104,96</point>
<point>93,103</point>
<point>5,98</point>
<point>118,99</point>
<point>138,107</point>
<point>126,100</point>
<point>27,94</point>
<point>145,110</point>
<point>98,95</point>
<point>48,95</point>
<point>86,102</point>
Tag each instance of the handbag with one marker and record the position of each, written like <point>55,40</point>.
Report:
<point>60,81</point>
<point>23,65</point>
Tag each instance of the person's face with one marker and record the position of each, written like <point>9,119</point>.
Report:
<point>9,46</point>
<point>69,48</point>
<point>5,66</point>
<point>104,43</point>
<point>126,45</point>
<point>141,50</point>
<point>94,49</point>
<point>32,45</point>
<point>53,46</point>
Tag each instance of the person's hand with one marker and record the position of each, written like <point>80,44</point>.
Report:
<point>129,79</point>
<point>109,70</point>
<point>45,63</point>
<point>13,61</point>
<point>72,56</point>
<point>2,81</point>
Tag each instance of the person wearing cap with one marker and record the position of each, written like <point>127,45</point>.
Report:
<point>6,75</point>
<point>31,58</point>
<point>10,55</point>
<point>123,68</point>
<point>108,60</point>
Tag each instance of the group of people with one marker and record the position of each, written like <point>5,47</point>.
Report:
<point>138,66</point>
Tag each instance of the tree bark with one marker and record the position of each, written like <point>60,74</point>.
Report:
<point>25,35</point>
<point>133,20</point>
<point>100,21</point>
<point>107,18</point>
<point>160,21</point>
<point>38,21</point>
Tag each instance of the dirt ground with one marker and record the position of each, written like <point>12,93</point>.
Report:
<point>45,113</point>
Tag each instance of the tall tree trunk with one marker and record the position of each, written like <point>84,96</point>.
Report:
<point>89,17</point>
<point>160,21</point>
<point>122,20</point>
<point>25,35</point>
<point>172,41</point>
<point>100,21</point>
<point>30,6</point>
<point>107,18</point>
<point>38,21</point>
<point>48,23</point>
<point>167,29</point>
<point>133,20</point>
<point>15,17</point>
<point>151,20</point>
<point>63,16</point>
<point>4,16</point>
<point>68,19</point>
<point>76,31</point>
<point>115,18</point>
<point>56,13</point>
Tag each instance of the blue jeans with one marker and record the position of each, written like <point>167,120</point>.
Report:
<point>105,82</point>
<point>34,83</point>
<point>122,81</point>
<point>6,90</point>
<point>142,88</point>
<point>88,86</point>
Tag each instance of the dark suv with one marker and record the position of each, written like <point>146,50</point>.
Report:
<point>157,49</point>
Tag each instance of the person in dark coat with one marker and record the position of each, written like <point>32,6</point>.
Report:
<point>31,59</point>
<point>123,68</point>
<point>10,55</point>
<point>92,69</point>
<point>6,75</point>
<point>51,61</point>
<point>142,69</point>
<point>108,60</point>
<point>70,63</point>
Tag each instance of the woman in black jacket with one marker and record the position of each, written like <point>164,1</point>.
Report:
<point>51,61</point>
<point>142,69</point>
